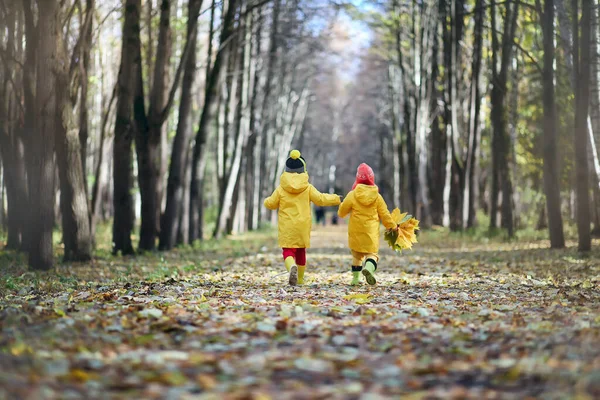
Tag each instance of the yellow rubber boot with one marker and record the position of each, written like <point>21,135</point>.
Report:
<point>289,262</point>
<point>301,269</point>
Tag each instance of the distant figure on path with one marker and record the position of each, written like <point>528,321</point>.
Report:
<point>292,198</point>
<point>320,214</point>
<point>366,208</point>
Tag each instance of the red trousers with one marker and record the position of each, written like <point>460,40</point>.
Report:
<point>298,254</point>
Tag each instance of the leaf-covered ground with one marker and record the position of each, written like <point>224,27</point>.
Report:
<point>451,319</point>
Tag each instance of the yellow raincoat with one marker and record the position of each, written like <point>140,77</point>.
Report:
<point>292,197</point>
<point>367,208</point>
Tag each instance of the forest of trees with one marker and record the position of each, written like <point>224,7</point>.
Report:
<point>174,118</point>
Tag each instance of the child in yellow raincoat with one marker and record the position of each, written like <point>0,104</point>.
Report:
<point>292,198</point>
<point>366,208</point>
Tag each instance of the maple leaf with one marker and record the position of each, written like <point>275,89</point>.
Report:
<point>359,298</point>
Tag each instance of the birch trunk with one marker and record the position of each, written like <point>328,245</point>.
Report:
<point>474,120</point>
<point>255,138</point>
<point>264,121</point>
<point>231,192</point>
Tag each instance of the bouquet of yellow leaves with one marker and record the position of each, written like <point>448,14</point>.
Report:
<point>404,237</point>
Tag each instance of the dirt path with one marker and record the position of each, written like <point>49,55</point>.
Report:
<point>448,320</point>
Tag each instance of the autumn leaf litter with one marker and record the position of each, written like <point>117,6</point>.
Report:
<point>445,321</point>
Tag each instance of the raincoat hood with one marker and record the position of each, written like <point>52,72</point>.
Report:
<point>365,194</point>
<point>294,183</point>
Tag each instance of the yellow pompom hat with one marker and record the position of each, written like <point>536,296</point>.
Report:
<point>295,163</point>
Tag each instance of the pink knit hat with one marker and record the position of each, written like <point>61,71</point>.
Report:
<point>364,176</point>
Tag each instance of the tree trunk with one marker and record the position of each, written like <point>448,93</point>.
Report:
<point>84,65</point>
<point>457,184</point>
<point>179,155</point>
<point>150,137</point>
<point>496,97</point>
<point>501,177</point>
<point>411,176</point>
<point>71,75</point>
<point>124,132</point>
<point>400,104</point>
<point>150,40</point>
<point>251,190</point>
<point>15,180</point>
<point>551,163</point>
<point>437,143</point>
<point>183,226</point>
<point>99,181</point>
<point>147,145</point>
<point>596,212</point>
<point>594,121</point>
<point>73,194</point>
<point>228,108</point>
<point>410,116</point>
<point>41,178</point>
<point>581,57</point>
<point>149,129</point>
<point>254,140</point>
<point>542,222</point>
<point>195,190</point>
<point>231,195</point>
<point>208,112</point>
<point>11,145</point>
<point>474,123</point>
<point>31,109</point>
<point>265,115</point>
<point>2,196</point>
<point>234,212</point>
<point>458,162</point>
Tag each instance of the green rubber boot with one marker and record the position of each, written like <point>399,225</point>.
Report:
<point>355,275</point>
<point>369,268</point>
